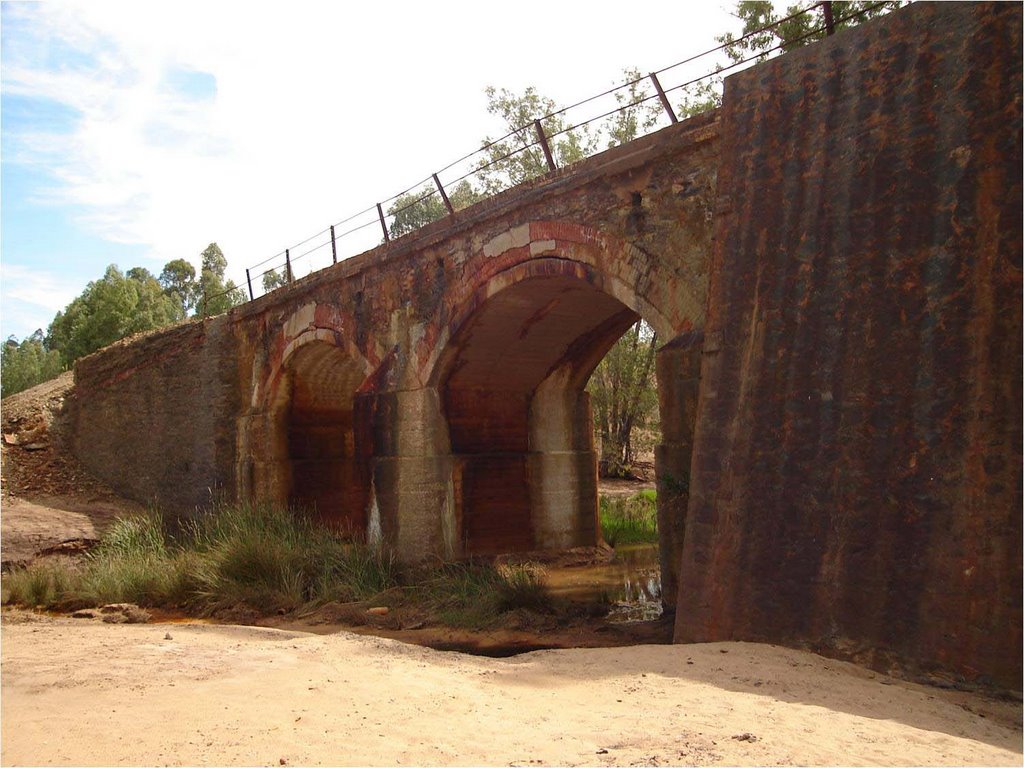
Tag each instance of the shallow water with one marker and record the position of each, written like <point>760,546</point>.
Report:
<point>631,582</point>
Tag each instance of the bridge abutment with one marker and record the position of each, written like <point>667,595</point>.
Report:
<point>678,372</point>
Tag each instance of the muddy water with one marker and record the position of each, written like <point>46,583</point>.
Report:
<point>631,582</point>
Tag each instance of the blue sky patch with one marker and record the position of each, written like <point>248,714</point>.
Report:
<point>190,84</point>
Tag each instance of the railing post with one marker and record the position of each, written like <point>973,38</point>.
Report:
<point>334,246</point>
<point>383,226</point>
<point>249,281</point>
<point>544,145</point>
<point>830,22</point>
<point>664,99</point>
<point>444,196</point>
<point>287,266</point>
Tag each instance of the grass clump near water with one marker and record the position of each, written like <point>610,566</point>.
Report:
<point>475,595</point>
<point>269,559</point>
<point>630,520</point>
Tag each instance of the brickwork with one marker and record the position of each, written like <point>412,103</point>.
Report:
<point>154,415</point>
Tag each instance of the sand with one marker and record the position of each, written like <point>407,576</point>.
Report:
<point>78,692</point>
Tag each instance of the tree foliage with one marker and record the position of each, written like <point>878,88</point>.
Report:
<point>215,295</point>
<point>518,157</point>
<point>178,280</point>
<point>272,279</point>
<point>109,309</point>
<point>793,33</point>
<point>26,364</point>
<point>416,209</point>
<point>624,398</point>
<point>118,305</point>
<point>637,113</point>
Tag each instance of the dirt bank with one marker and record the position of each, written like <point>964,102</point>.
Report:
<point>47,499</point>
<point>82,693</point>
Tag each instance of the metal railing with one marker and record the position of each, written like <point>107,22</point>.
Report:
<point>321,250</point>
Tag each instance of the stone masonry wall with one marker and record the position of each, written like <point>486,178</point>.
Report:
<point>856,484</point>
<point>154,415</point>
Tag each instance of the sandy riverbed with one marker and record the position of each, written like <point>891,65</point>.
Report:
<point>82,693</point>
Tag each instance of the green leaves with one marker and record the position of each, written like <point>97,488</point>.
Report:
<point>273,279</point>
<point>109,309</point>
<point>794,33</point>
<point>119,305</point>
<point>624,398</point>
<point>416,209</point>
<point>178,280</point>
<point>215,295</point>
<point>513,160</point>
<point>26,364</point>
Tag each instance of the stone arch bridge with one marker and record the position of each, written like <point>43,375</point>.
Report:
<point>832,260</point>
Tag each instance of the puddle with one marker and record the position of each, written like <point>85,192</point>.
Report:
<point>631,582</point>
<point>497,651</point>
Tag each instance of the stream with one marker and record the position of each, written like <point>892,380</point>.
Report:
<point>631,582</point>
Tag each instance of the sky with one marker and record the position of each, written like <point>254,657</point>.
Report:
<point>134,133</point>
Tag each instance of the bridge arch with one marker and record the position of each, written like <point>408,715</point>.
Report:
<point>510,370</point>
<point>317,429</point>
<point>546,248</point>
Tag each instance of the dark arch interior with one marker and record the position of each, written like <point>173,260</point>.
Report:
<point>514,391</point>
<point>328,454</point>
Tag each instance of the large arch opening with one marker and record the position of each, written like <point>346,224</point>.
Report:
<point>328,452</point>
<point>519,418</point>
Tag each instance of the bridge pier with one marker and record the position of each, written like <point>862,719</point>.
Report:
<point>412,476</point>
<point>561,468</point>
<point>264,471</point>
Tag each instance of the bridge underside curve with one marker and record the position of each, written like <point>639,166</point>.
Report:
<point>519,420</point>
<point>326,460</point>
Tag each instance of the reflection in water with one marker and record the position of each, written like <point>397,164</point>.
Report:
<point>631,582</point>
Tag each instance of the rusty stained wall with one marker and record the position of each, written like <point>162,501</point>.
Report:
<point>630,228</point>
<point>857,472</point>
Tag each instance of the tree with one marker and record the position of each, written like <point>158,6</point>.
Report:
<point>110,309</point>
<point>624,398</point>
<point>216,295</point>
<point>700,97</point>
<point>273,279</point>
<point>516,159</point>
<point>788,35</point>
<point>802,30</point>
<point>633,119</point>
<point>415,209</point>
<point>178,281</point>
<point>26,364</point>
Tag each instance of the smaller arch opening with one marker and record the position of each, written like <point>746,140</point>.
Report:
<point>327,437</point>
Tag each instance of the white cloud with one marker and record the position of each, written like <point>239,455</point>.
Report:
<point>30,298</point>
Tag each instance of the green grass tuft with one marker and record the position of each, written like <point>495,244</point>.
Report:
<point>632,520</point>
<point>41,585</point>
